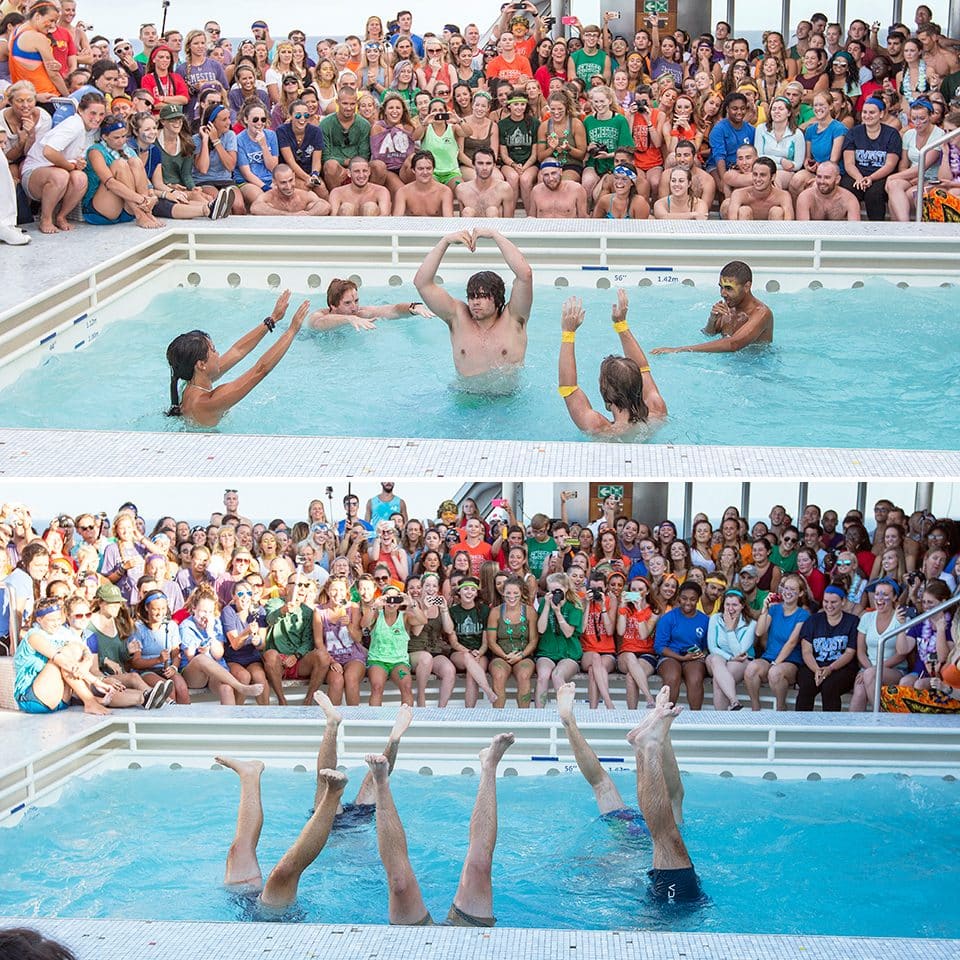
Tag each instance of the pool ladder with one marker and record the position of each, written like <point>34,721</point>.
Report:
<point>930,147</point>
<point>893,630</point>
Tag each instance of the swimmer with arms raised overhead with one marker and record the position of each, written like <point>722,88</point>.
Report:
<point>193,357</point>
<point>626,384</point>
<point>486,333</point>
<point>738,317</point>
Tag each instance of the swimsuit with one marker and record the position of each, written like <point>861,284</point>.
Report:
<point>512,637</point>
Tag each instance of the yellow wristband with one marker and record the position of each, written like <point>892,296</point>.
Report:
<point>566,391</point>
<point>620,326</point>
<point>644,369</point>
<point>568,336</point>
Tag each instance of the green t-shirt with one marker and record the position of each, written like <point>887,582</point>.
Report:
<point>757,602</point>
<point>587,65</point>
<point>518,136</point>
<point>553,643</point>
<point>538,552</point>
<point>610,134</point>
<point>110,648</point>
<point>786,564</point>
<point>470,624</point>
<point>340,144</point>
<point>290,632</point>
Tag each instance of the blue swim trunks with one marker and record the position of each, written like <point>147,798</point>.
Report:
<point>354,815</point>
<point>628,820</point>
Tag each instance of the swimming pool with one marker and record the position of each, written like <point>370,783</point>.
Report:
<point>865,857</point>
<point>841,372</point>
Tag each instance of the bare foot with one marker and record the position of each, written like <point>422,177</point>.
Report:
<point>334,779</point>
<point>250,689</point>
<point>62,223</point>
<point>565,697</point>
<point>663,695</point>
<point>96,708</point>
<point>490,695</point>
<point>637,732</point>
<point>243,768</point>
<point>326,705</point>
<point>498,747</point>
<point>379,767</point>
<point>656,725</point>
<point>48,226</point>
<point>402,723</point>
<point>107,698</point>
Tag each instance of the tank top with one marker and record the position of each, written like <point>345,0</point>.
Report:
<point>513,637</point>
<point>472,144</point>
<point>444,149</point>
<point>336,635</point>
<point>432,639</point>
<point>28,64</point>
<point>809,81</point>
<point>392,145</point>
<point>388,642</point>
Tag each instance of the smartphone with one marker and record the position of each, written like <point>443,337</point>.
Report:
<point>442,116</point>
<point>568,21</point>
<point>572,494</point>
<point>615,15</point>
<point>498,502</point>
<point>631,596</point>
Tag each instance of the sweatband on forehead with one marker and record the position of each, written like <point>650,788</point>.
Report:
<point>154,595</point>
<point>513,100</point>
<point>551,164</point>
<point>877,102</point>
<point>215,112</point>
<point>46,608</point>
<point>112,127</point>
<point>625,172</point>
<point>719,583</point>
<point>838,591</point>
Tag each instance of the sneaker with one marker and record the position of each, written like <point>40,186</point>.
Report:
<point>223,204</point>
<point>13,236</point>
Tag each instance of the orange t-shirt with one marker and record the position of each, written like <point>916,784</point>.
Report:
<point>513,71</point>
<point>478,554</point>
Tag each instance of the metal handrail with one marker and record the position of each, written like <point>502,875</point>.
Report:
<point>929,147</point>
<point>894,630</point>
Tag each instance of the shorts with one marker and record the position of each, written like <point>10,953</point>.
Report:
<point>457,918</point>
<point>650,658</point>
<point>348,656</point>
<point>216,184</point>
<point>675,886</point>
<point>25,180</point>
<point>354,815</point>
<point>575,167</point>
<point>292,673</point>
<point>98,219</point>
<point>629,820</point>
<point>29,703</point>
<point>164,208</point>
<point>389,667</point>
<point>445,178</point>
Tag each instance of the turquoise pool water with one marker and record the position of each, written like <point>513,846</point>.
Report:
<point>871,857</point>
<point>870,367</point>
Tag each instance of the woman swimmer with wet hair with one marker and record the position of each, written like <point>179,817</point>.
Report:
<point>193,358</point>
<point>626,384</point>
<point>343,306</point>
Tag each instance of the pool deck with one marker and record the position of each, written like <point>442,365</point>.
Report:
<point>160,940</point>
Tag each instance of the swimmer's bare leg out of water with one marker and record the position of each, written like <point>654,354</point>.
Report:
<point>649,741</point>
<point>243,868</point>
<point>327,754</point>
<point>474,894</point>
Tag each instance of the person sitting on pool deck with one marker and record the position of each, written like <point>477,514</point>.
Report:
<point>554,198</point>
<point>473,902</point>
<point>486,333</point>
<point>363,807</point>
<point>626,384</point>
<point>825,199</point>
<point>360,197</point>
<point>425,196</point>
<point>739,317</point>
<point>343,306</point>
<point>286,199</point>
<point>763,199</point>
<point>291,651</point>
<point>193,357</point>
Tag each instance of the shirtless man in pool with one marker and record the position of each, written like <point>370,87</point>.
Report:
<point>486,333</point>
<point>659,793</point>
<point>738,317</point>
<point>243,869</point>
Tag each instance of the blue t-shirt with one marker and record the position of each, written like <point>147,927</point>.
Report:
<point>821,141</point>
<point>680,633</point>
<point>151,160</point>
<point>156,642</point>
<point>870,155</point>
<point>303,152</point>
<point>725,141</point>
<point>231,622</point>
<point>780,629</point>
<point>249,153</point>
<point>830,642</point>
<point>192,636</point>
<point>217,171</point>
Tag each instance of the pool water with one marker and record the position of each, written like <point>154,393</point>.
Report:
<point>871,367</point>
<point>869,857</point>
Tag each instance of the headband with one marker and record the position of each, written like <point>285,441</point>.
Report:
<point>515,100</point>
<point>922,102</point>
<point>47,606</point>
<point>439,100</point>
<point>469,583</point>
<point>483,93</point>
<point>622,171</point>
<point>215,112</point>
<point>154,595</point>
<point>782,100</point>
<point>430,574</point>
<point>839,591</point>
<point>734,592</point>
<point>109,128</point>
<point>551,164</point>
<point>717,581</point>
<point>877,102</point>
<point>889,581</point>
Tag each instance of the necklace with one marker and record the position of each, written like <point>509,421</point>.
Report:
<point>197,385</point>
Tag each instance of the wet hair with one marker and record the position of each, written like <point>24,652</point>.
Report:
<point>337,289</point>
<point>27,944</point>
<point>422,155</point>
<point>772,167</point>
<point>621,385</point>
<point>737,269</point>
<point>486,283</point>
<point>183,354</point>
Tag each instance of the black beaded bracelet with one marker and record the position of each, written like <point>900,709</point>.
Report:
<point>270,323</point>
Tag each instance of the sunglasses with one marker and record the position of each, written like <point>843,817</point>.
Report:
<point>256,119</point>
<point>244,593</point>
<point>86,527</point>
<point>844,563</point>
<point>125,49</point>
<point>381,579</point>
<point>300,116</point>
<point>789,539</point>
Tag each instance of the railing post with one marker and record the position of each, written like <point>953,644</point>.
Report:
<point>922,166</point>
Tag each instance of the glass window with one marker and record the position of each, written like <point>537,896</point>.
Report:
<point>804,9</point>
<point>765,494</point>
<point>946,500</point>
<point>712,497</point>
<point>833,495</point>
<point>870,11</point>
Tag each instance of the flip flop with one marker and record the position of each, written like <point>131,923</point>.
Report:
<point>222,204</point>
<point>157,695</point>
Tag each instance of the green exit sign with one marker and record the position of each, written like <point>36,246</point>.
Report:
<point>655,6</point>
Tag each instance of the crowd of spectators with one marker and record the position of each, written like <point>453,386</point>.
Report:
<point>119,614</point>
<point>567,120</point>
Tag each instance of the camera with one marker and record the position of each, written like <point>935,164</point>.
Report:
<point>328,491</point>
<point>641,106</point>
<point>594,148</point>
<point>915,576</point>
<point>597,593</point>
<point>557,596</point>
<point>434,601</point>
<point>300,560</point>
<point>394,601</point>
<point>441,116</point>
